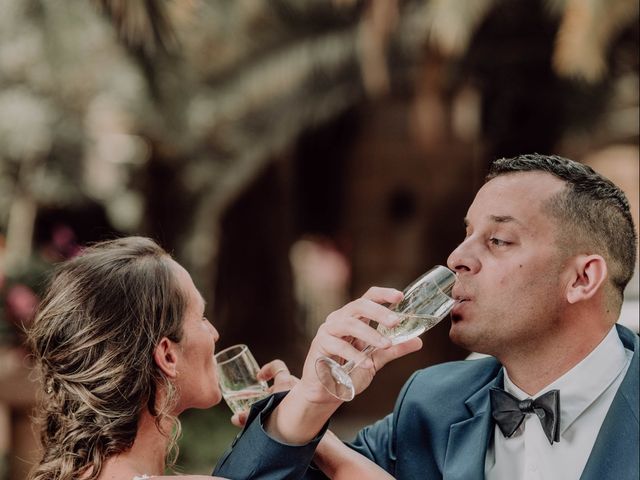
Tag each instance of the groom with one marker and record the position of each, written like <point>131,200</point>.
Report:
<point>549,247</point>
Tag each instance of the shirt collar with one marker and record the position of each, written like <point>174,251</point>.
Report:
<point>585,382</point>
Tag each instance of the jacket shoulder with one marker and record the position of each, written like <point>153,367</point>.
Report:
<point>450,382</point>
<point>457,377</point>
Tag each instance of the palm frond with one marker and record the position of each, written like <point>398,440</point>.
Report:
<point>376,27</point>
<point>143,24</point>
<point>450,23</point>
<point>585,34</point>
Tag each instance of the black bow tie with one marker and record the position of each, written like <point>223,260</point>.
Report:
<point>509,412</point>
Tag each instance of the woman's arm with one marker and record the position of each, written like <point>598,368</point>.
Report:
<point>339,462</point>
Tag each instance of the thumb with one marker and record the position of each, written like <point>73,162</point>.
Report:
<point>239,419</point>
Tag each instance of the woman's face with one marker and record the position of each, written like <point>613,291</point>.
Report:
<point>196,379</point>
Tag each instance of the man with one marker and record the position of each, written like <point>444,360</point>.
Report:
<point>549,247</point>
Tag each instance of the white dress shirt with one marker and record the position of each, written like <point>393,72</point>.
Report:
<point>586,393</point>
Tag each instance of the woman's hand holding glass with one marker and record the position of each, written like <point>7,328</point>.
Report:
<point>243,383</point>
<point>275,371</point>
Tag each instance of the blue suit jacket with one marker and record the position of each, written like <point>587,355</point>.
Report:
<point>441,426</point>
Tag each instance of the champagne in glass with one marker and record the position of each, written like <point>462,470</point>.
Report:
<point>241,400</point>
<point>426,302</point>
<point>237,370</point>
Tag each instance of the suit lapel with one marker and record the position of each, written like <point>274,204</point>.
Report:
<point>469,439</point>
<point>618,437</point>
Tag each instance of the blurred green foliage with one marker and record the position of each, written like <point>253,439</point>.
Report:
<point>206,435</point>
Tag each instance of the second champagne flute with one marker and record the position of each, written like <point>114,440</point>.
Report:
<point>237,370</point>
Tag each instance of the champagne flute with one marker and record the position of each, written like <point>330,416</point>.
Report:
<point>426,301</point>
<point>237,371</point>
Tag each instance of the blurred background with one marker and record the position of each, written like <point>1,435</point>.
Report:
<point>289,153</point>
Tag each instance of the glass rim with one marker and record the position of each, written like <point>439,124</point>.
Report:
<point>409,288</point>
<point>242,349</point>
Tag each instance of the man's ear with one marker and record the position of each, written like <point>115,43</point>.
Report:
<point>588,274</point>
<point>166,358</point>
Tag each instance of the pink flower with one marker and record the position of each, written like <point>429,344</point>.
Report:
<point>21,303</point>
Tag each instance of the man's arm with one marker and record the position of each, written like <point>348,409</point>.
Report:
<point>256,455</point>
<point>308,406</point>
<point>285,433</point>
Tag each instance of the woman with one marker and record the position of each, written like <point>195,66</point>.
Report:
<point>123,347</point>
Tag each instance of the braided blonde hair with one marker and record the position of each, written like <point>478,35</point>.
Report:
<point>93,340</point>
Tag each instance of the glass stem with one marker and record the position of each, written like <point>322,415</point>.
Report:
<point>350,365</point>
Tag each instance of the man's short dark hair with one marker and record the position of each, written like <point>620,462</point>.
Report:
<point>592,211</point>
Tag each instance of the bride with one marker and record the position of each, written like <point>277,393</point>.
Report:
<point>123,348</point>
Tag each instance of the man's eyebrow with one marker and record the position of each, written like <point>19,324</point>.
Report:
<point>509,219</point>
<point>503,219</point>
<point>498,219</point>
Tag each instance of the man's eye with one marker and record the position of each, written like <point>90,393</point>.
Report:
<point>498,243</point>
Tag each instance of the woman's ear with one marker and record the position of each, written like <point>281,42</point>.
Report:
<point>166,357</point>
<point>588,275</point>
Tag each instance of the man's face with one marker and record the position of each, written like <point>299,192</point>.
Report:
<point>509,267</point>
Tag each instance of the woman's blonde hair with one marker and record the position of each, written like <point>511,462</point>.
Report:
<point>93,340</point>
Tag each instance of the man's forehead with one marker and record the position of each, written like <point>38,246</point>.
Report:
<point>533,186</point>
<point>514,198</point>
<point>533,181</point>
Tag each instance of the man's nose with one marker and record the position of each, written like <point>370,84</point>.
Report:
<point>462,259</point>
